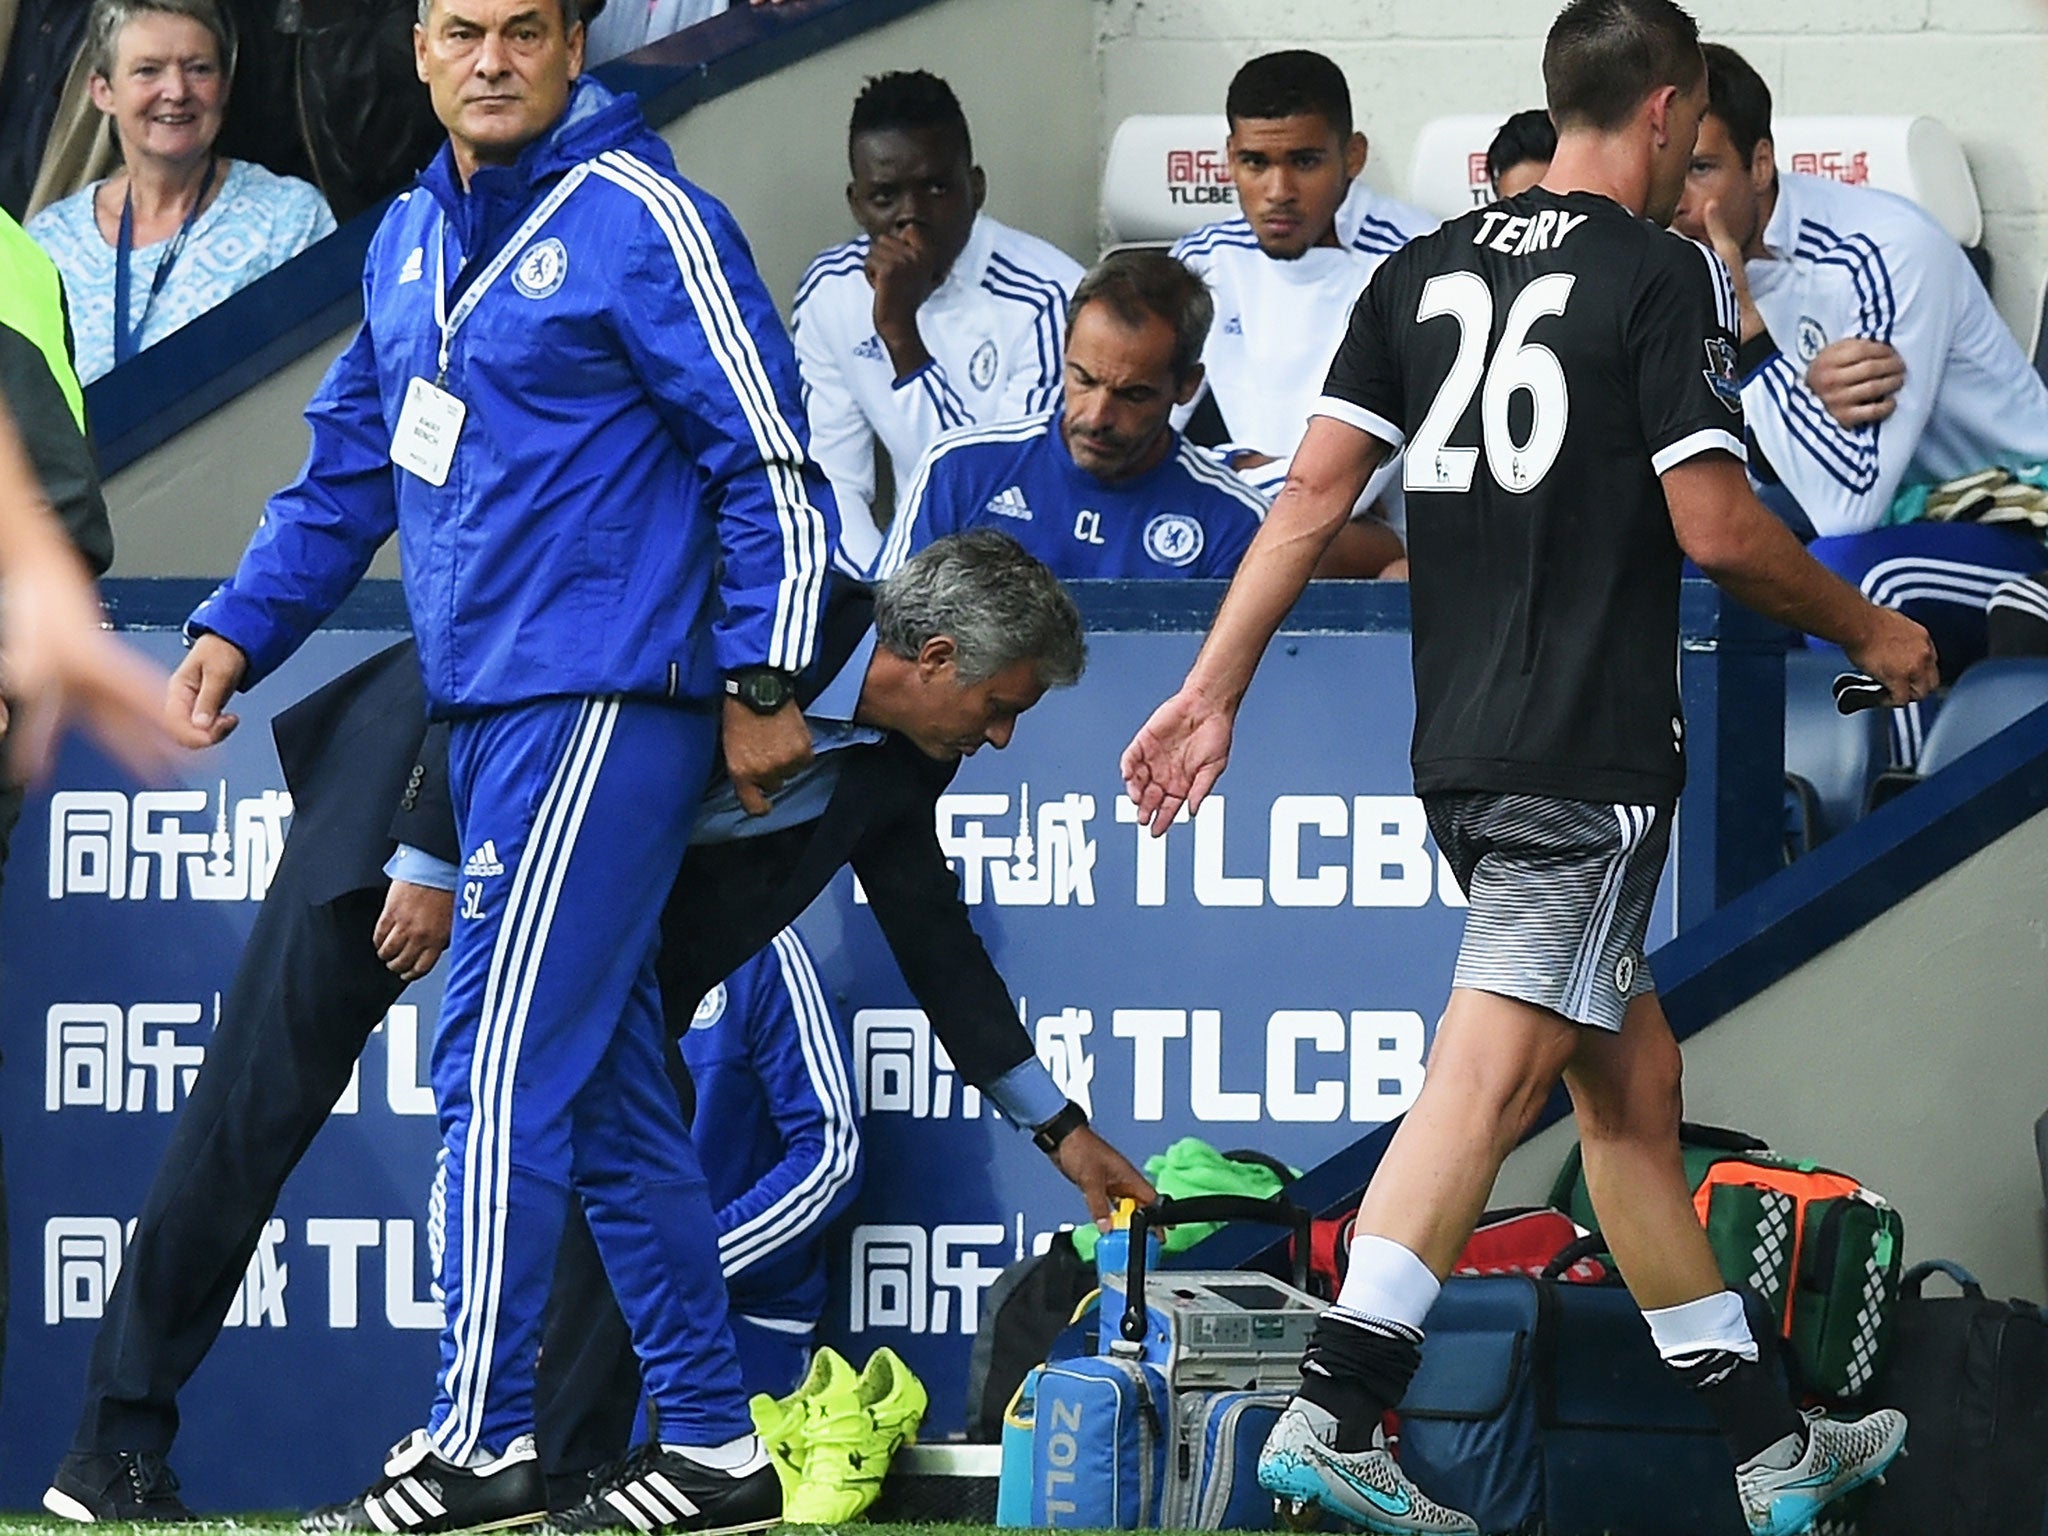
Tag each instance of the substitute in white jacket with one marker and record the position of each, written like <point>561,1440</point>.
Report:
<point>1873,362</point>
<point>936,317</point>
<point>1286,273</point>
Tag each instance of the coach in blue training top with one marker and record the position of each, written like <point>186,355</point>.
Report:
<point>1103,485</point>
<point>572,399</point>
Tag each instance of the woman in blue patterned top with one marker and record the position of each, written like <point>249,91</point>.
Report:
<point>177,228</point>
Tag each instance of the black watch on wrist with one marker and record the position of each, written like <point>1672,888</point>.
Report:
<point>1056,1130</point>
<point>764,690</point>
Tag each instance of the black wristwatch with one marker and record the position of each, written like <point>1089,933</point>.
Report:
<point>764,690</point>
<point>1059,1128</point>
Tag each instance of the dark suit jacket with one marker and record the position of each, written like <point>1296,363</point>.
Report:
<point>731,898</point>
<point>365,772</point>
<point>361,745</point>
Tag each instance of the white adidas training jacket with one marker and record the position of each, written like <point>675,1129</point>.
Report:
<point>995,329</point>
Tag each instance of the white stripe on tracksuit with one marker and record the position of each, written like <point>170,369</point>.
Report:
<point>2022,595</point>
<point>516,959</point>
<point>1927,579</point>
<point>804,555</point>
<point>1635,822</point>
<point>805,1202</point>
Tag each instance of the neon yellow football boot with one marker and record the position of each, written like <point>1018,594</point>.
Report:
<point>850,1438</point>
<point>780,1420</point>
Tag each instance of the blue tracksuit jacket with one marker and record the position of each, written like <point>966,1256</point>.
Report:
<point>777,1128</point>
<point>631,464</point>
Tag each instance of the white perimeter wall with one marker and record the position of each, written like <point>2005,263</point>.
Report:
<point>1981,66</point>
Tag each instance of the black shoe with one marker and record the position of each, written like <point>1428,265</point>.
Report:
<point>658,1490</point>
<point>419,1492</point>
<point>566,1489</point>
<point>115,1485</point>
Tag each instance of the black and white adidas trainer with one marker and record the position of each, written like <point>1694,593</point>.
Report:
<point>420,1492</point>
<point>125,1486</point>
<point>657,1490</point>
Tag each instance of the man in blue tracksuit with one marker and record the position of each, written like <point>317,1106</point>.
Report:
<point>573,401</point>
<point>1102,486</point>
<point>778,1130</point>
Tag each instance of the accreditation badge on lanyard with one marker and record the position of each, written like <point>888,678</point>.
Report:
<point>430,422</point>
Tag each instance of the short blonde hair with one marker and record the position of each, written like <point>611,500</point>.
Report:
<point>110,18</point>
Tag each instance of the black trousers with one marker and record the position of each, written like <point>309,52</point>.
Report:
<point>305,997</point>
<point>586,1388</point>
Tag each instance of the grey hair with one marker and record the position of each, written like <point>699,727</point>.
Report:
<point>110,18</point>
<point>1139,284</point>
<point>997,603</point>
<point>572,12</point>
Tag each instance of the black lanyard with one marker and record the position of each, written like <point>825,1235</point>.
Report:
<point>127,339</point>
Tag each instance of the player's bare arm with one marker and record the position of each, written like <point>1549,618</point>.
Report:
<point>1182,750</point>
<point>1755,558</point>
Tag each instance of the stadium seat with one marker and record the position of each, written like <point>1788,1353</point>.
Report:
<point>1447,175</point>
<point>1165,175</point>
<point>1916,157</point>
<point>1985,700</point>
<point>2041,335</point>
<point>1831,760</point>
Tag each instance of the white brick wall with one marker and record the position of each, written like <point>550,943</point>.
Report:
<point>1981,66</point>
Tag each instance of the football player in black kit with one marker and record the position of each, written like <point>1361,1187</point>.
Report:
<point>1562,373</point>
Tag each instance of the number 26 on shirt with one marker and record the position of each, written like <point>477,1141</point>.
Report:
<point>1517,366</point>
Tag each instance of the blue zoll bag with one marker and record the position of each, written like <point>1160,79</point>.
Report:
<point>1164,1427</point>
<point>1098,1444</point>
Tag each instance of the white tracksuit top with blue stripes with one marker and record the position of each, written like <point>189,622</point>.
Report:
<point>1278,323</point>
<point>995,329</point>
<point>1849,261</point>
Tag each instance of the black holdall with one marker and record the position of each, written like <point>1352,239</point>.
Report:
<point>1971,1376</point>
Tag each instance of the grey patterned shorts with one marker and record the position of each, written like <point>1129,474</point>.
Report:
<point>1560,894</point>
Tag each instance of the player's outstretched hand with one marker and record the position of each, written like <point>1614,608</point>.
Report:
<point>1102,1174</point>
<point>59,665</point>
<point>205,680</point>
<point>1899,654</point>
<point>1176,758</point>
<point>1857,380</point>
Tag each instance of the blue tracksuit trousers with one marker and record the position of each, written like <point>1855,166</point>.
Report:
<point>549,1068</point>
<point>1943,575</point>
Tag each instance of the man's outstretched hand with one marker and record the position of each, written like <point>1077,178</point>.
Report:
<point>1102,1174</point>
<point>1176,759</point>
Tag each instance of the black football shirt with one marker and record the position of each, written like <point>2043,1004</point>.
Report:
<point>1543,360</point>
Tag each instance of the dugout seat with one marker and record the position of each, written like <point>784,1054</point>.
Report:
<point>1165,174</point>
<point>1985,700</point>
<point>2041,335</point>
<point>1831,760</point>
<point>1447,173</point>
<point>1916,157</point>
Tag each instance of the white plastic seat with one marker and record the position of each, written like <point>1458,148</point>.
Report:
<point>1915,157</point>
<point>1164,176</point>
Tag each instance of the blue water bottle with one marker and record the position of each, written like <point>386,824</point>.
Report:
<point>1112,1274</point>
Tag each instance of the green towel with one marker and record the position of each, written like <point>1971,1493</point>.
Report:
<point>1192,1167</point>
